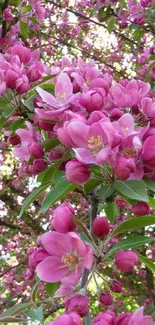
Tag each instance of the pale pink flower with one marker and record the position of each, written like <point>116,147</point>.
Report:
<point>63,96</point>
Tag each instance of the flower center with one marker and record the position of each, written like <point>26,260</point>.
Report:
<point>69,259</point>
<point>95,144</point>
<point>61,96</point>
<point>129,152</point>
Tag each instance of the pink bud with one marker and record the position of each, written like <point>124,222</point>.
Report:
<point>101,227</point>
<point>120,203</point>
<point>10,78</point>
<point>35,150</point>
<point>79,304</point>
<point>36,257</point>
<point>14,140</point>
<point>69,319</point>
<point>62,220</point>
<point>123,319</point>
<point>22,84</point>
<point>148,154</point>
<point>76,172</point>
<point>140,209</point>
<point>116,286</point>
<point>38,166</point>
<point>46,126</point>
<point>124,167</point>
<point>8,14</point>
<point>105,318</point>
<point>106,298</point>
<point>56,153</point>
<point>126,260</point>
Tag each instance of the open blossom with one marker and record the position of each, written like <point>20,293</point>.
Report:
<point>29,144</point>
<point>68,256</point>
<point>136,318</point>
<point>91,143</point>
<point>63,97</point>
<point>67,319</point>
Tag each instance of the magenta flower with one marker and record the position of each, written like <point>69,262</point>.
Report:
<point>68,256</point>
<point>29,144</point>
<point>63,96</point>
<point>138,319</point>
<point>78,304</point>
<point>92,144</point>
<point>67,319</point>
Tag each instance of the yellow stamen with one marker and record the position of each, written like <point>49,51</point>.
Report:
<point>68,259</point>
<point>95,144</point>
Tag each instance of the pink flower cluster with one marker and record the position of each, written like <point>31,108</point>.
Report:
<point>19,68</point>
<point>106,318</point>
<point>101,121</point>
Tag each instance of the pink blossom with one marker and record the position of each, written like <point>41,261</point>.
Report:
<point>105,318</point>
<point>63,96</point>
<point>76,172</point>
<point>62,218</point>
<point>29,143</point>
<point>140,209</point>
<point>116,286</point>
<point>106,298</point>
<point>79,304</point>
<point>101,227</point>
<point>2,83</point>
<point>126,260</point>
<point>68,319</point>
<point>68,256</point>
<point>91,143</point>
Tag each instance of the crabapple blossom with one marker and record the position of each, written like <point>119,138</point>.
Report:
<point>76,172</point>
<point>101,227</point>
<point>62,218</point>
<point>126,260</point>
<point>68,256</point>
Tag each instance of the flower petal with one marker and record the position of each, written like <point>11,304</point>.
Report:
<point>51,269</point>
<point>56,244</point>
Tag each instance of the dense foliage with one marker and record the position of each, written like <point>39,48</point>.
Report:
<point>77,158</point>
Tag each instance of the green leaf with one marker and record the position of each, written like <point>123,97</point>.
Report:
<point>34,293</point>
<point>91,184</point>
<point>131,242</point>
<point>134,189</point>
<point>50,76</point>
<point>47,175</point>
<point>148,263</point>
<point>51,288</point>
<point>111,211</point>
<point>105,192</point>
<point>59,176</point>
<point>48,87</point>
<point>152,58</point>
<point>10,319</point>
<point>8,112</point>
<point>35,314</point>
<point>149,183</point>
<point>56,193</point>
<point>16,309</point>
<point>23,29</point>
<point>2,122</point>
<point>50,143</point>
<point>33,196</point>
<point>20,123</point>
<point>134,223</point>
<point>34,20</point>
<point>29,103</point>
<point>151,202</point>
<point>111,24</point>
<point>26,9</point>
<point>15,3</point>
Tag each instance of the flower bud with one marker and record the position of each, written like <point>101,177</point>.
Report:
<point>116,286</point>
<point>148,153</point>
<point>101,227</point>
<point>79,304</point>
<point>46,126</point>
<point>36,257</point>
<point>126,260</point>
<point>76,172</point>
<point>123,319</point>
<point>124,167</point>
<point>35,150</point>
<point>14,140</point>
<point>62,220</point>
<point>105,318</point>
<point>140,209</point>
<point>106,298</point>
<point>38,166</point>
